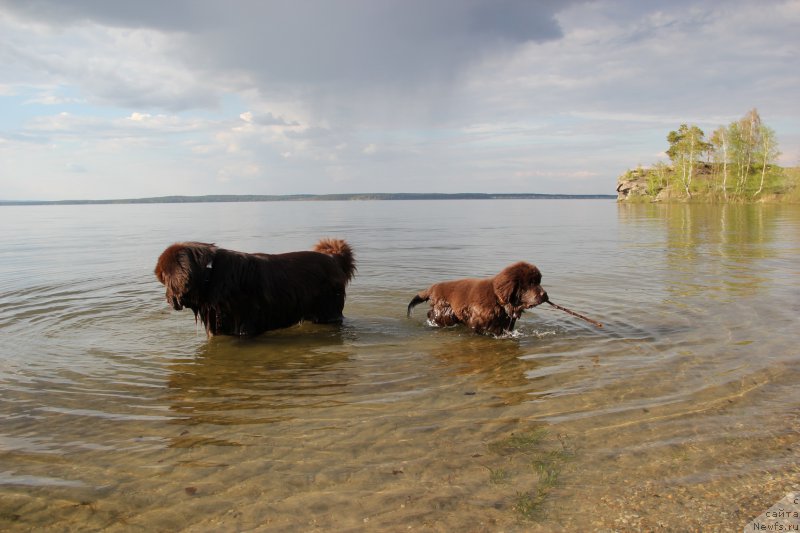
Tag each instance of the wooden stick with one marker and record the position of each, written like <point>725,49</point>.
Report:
<point>573,313</point>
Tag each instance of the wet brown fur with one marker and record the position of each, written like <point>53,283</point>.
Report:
<point>490,305</point>
<point>236,293</point>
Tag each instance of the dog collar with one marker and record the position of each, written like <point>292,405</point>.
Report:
<point>209,268</point>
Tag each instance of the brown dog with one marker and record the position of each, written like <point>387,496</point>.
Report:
<point>486,305</point>
<point>236,293</point>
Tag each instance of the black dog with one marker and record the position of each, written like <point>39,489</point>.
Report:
<point>237,293</point>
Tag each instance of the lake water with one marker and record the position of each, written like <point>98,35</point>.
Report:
<point>682,412</point>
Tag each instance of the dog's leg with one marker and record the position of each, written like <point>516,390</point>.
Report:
<point>514,313</point>
<point>329,308</point>
<point>442,315</point>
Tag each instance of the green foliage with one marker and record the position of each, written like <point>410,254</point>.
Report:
<point>535,454</point>
<point>654,184</point>
<point>498,476</point>
<point>519,443</point>
<point>687,142</point>
<point>528,505</point>
<point>792,182</point>
<point>686,146</point>
<point>737,163</point>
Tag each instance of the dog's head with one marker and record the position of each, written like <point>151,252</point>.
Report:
<point>519,286</point>
<point>184,268</point>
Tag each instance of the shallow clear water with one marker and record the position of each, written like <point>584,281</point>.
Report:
<point>681,412</point>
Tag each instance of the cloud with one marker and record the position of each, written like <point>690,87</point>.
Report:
<point>318,40</point>
<point>232,172</point>
<point>650,58</point>
<point>178,55</point>
<point>366,63</point>
<point>50,99</point>
<point>76,168</point>
<point>394,95</point>
<point>108,65</point>
<point>143,126</point>
<point>266,119</point>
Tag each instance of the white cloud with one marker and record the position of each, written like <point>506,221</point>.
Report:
<point>51,100</point>
<point>233,172</point>
<point>76,167</point>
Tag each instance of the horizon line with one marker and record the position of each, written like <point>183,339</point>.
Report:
<point>223,198</point>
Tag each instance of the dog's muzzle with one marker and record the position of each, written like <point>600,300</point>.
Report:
<point>540,299</point>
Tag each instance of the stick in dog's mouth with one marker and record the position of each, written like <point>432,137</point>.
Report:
<point>573,313</point>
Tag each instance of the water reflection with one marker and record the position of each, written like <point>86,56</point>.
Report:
<point>234,381</point>
<point>493,364</point>
<point>711,250</point>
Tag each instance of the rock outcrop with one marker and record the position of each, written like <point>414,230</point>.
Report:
<point>632,185</point>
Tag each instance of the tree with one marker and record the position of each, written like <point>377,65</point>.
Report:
<point>685,148</point>
<point>740,159</point>
<point>768,152</point>
<point>719,139</point>
<point>744,143</point>
<point>662,174</point>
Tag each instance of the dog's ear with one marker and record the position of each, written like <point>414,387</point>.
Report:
<point>169,263</point>
<point>514,280</point>
<point>181,262</point>
<point>506,287</point>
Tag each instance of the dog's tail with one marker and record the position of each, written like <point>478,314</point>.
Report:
<point>418,299</point>
<point>340,251</point>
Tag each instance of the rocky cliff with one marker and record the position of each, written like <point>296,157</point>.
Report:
<point>642,185</point>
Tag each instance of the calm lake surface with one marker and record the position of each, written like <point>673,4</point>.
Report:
<point>682,412</point>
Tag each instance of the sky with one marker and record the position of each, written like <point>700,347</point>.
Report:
<point>104,99</point>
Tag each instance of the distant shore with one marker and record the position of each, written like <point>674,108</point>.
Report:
<point>316,197</point>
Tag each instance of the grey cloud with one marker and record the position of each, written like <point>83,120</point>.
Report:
<point>174,15</point>
<point>397,41</point>
<point>268,119</point>
<point>402,43</point>
<point>314,132</point>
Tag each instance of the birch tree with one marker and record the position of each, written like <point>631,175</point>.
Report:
<point>686,146</point>
<point>768,152</point>
<point>719,140</point>
<point>744,142</point>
